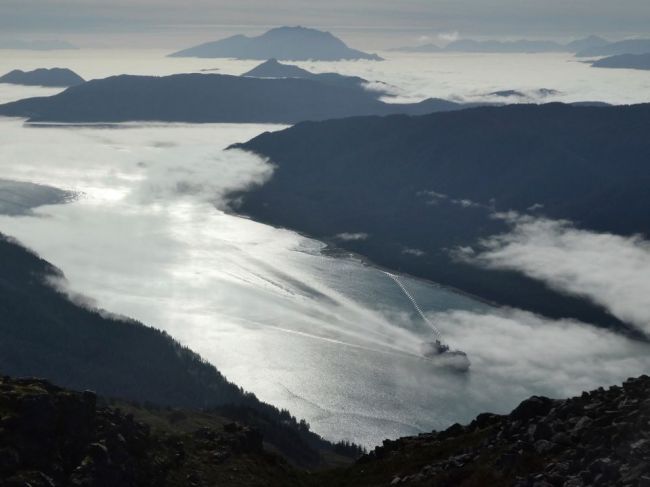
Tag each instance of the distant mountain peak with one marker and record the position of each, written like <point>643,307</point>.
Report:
<point>275,69</point>
<point>53,77</point>
<point>286,43</point>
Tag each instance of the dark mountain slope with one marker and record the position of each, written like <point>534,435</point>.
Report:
<point>44,334</point>
<point>54,437</point>
<point>55,77</point>
<point>624,61</point>
<point>203,98</point>
<point>432,182</point>
<point>286,43</point>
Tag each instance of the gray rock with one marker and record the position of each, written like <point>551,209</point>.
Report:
<point>544,446</point>
<point>532,407</point>
<point>583,423</point>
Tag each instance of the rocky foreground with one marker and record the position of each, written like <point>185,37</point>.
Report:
<point>53,437</point>
<point>601,438</point>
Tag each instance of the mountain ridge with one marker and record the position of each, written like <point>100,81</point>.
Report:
<point>433,183</point>
<point>518,46</point>
<point>205,98</point>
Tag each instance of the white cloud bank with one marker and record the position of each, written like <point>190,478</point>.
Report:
<point>612,271</point>
<point>514,352</point>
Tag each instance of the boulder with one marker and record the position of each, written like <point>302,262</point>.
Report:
<point>531,408</point>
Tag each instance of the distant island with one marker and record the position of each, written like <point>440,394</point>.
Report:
<point>39,45</point>
<point>54,77</point>
<point>285,43</point>
<point>624,61</point>
<point>518,46</point>
<point>433,183</point>
<point>212,98</point>
<point>631,46</point>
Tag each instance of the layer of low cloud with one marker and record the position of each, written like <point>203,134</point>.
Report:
<point>447,37</point>
<point>516,349</point>
<point>610,270</point>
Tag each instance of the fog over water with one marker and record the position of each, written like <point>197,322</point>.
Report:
<point>335,341</point>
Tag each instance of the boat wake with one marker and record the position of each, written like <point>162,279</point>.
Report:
<point>436,351</point>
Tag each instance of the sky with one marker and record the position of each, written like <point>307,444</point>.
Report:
<point>372,23</point>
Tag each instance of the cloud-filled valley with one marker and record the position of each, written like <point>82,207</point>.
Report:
<point>152,236</point>
<point>145,240</point>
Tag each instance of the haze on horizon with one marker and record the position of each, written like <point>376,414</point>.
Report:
<point>373,23</point>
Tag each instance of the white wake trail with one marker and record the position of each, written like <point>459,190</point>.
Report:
<point>395,278</point>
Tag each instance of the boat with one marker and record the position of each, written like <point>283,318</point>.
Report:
<point>435,351</point>
<point>444,356</point>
